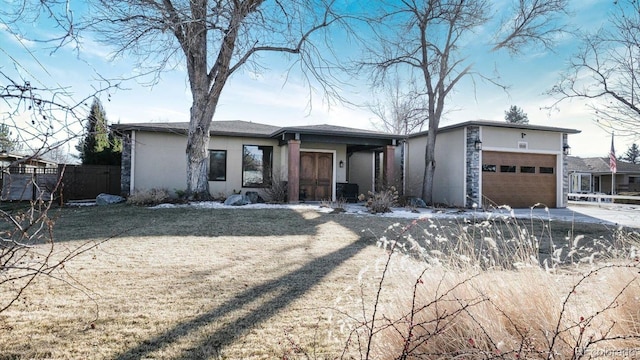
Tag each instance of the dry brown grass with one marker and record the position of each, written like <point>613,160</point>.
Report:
<point>175,297</point>
<point>228,284</point>
<point>522,314</point>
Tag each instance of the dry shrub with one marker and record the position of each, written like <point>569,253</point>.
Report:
<point>148,197</point>
<point>450,296</point>
<point>382,201</point>
<point>277,191</point>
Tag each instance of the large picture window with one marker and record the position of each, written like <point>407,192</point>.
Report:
<point>217,165</point>
<point>256,165</point>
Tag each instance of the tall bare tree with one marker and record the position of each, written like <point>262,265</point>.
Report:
<point>605,72</point>
<point>399,110</point>
<point>427,38</point>
<point>213,39</point>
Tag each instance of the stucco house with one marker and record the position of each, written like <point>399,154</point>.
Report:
<point>490,163</point>
<point>593,175</point>
<point>320,162</point>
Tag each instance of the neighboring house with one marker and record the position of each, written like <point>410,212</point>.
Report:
<point>20,164</point>
<point>489,163</point>
<point>593,175</point>
<point>317,162</point>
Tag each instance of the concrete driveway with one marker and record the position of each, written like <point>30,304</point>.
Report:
<point>614,215</point>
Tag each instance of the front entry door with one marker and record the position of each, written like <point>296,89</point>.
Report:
<point>316,176</point>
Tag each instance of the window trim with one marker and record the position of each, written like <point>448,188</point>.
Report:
<point>209,175</point>
<point>266,177</point>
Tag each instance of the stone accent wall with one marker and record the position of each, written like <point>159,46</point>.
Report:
<point>125,167</point>
<point>473,168</point>
<point>565,174</point>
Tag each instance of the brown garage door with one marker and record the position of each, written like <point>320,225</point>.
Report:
<point>518,180</point>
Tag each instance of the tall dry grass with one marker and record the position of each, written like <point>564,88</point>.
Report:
<point>483,290</point>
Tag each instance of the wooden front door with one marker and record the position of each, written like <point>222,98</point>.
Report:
<point>316,176</point>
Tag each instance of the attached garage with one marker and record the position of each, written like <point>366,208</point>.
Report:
<point>489,163</point>
<point>519,179</point>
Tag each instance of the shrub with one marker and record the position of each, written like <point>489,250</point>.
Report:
<point>277,191</point>
<point>148,197</point>
<point>381,202</point>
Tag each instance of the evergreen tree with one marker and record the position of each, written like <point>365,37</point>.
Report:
<point>516,115</point>
<point>99,146</point>
<point>7,144</point>
<point>632,155</point>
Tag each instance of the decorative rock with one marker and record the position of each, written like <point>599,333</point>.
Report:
<point>416,202</point>
<point>107,199</point>
<point>237,200</point>
<point>254,197</point>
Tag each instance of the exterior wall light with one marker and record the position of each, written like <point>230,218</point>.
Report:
<point>566,149</point>
<point>478,144</point>
<point>341,164</point>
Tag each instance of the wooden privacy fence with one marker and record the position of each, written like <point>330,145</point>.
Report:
<point>66,182</point>
<point>29,184</point>
<point>82,182</point>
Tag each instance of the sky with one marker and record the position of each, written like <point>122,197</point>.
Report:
<point>277,97</point>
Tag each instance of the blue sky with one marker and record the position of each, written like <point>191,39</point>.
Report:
<point>275,97</point>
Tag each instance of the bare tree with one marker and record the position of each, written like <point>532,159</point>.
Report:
<point>44,119</point>
<point>427,38</point>
<point>604,73</point>
<point>400,111</point>
<point>213,40</point>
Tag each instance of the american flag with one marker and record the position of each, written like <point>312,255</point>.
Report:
<point>612,158</point>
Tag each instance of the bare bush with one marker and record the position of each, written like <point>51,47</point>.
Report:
<point>277,191</point>
<point>382,201</point>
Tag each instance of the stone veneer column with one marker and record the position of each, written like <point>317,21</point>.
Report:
<point>293,177</point>
<point>565,173</point>
<point>125,165</point>
<point>473,168</point>
<point>389,169</point>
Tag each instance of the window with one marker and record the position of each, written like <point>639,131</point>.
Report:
<point>546,170</point>
<point>507,168</point>
<point>488,168</point>
<point>256,165</point>
<point>217,165</point>
<point>528,169</point>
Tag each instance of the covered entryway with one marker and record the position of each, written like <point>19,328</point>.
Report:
<point>316,176</point>
<point>519,179</point>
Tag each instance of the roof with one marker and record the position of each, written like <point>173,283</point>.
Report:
<point>229,128</point>
<point>500,124</point>
<point>248,128</point>
<point>599,165</point>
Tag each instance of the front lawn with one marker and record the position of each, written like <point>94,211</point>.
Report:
<point>189,283</point>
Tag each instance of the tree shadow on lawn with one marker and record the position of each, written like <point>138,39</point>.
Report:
<point>283,290</point>
<point>123,220</point>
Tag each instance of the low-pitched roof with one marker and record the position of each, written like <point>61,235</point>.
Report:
<point>500,124</point>
<point>598,165</point>
<point>244,128</point>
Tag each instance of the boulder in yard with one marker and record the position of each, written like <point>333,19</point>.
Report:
<point>254,197</point>
<point>237,200</point>
<point>107,199</point>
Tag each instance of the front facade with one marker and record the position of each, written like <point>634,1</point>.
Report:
<point>316,162</point>
<point>488,164</point>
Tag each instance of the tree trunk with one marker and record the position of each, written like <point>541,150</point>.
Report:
<point>429,167</point>
<point>197,150</point>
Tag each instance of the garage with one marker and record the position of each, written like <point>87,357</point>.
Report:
<point>519,179</point>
